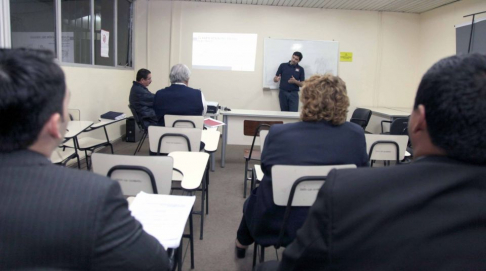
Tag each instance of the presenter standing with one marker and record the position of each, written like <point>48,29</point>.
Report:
<point>291,77</point>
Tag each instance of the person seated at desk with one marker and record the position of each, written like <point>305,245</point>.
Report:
<point>52,217</point>
<point>178,98</point>
<point>323,137</point>
<point>426,215</point>
<point>141,99</point>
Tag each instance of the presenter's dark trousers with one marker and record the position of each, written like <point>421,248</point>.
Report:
<point>289,100</point>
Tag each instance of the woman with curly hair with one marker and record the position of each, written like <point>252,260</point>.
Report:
<point>323,137</point>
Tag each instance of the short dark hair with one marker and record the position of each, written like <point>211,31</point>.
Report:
<point>142,74</point>
<point>453,92</point>
<point>32,88</point>
<point>298,54</point>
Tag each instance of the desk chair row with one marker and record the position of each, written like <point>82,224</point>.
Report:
<point>72,145</point>
<point>150,174</point>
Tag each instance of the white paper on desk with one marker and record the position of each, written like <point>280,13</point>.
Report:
<point>163,216</point>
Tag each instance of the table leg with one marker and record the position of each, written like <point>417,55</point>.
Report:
<point>203,196</point>
<point>213,161</point>
<point>225,139</point>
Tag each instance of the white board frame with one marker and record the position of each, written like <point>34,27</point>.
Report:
<point>277,51</point>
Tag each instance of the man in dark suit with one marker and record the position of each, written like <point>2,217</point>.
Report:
<point>141,99</point>
<point>53,217</point>
<point>428,215</point>
<point>179,98</point>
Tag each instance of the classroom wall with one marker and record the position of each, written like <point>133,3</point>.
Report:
<point>96,90</point>
<point>437,31</point>
<point>391,52</point>
<point>385,46</point>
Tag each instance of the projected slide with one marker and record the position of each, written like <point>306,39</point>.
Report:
<point>224,51</point>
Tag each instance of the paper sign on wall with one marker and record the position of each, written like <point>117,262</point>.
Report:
<point>346,56</point>
<point>105,41</point>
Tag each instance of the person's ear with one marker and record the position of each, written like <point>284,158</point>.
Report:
<point>418,122</point>
<point>53,126</point>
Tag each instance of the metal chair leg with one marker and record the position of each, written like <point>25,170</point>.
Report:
<point>191,240</point>
<point>203,196</point>
<point>255,248</point>
<point>139,146</point>
<point>246,176</point>
<point>207,189</point>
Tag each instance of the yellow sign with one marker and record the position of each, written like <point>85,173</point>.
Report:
<point>346,57</point>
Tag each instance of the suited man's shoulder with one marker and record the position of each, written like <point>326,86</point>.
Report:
<point>80,183</point>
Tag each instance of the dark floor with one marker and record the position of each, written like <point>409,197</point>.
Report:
<point>216,251</point>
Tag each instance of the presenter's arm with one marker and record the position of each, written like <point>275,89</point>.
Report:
<point>205,105</point>
<point>120,241</point>
<point>278,75</point>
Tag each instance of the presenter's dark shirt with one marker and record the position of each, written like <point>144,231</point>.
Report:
<point>286,71</point>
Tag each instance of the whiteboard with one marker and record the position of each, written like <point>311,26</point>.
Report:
<point>318,57</point>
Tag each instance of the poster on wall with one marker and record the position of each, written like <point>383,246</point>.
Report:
<point>105,41</point>
<point>46,41</point>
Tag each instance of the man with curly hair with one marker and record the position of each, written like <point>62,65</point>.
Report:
<point>428,215</point>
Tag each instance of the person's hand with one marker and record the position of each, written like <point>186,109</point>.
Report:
<point>276,79</point>
<point>292,80</point>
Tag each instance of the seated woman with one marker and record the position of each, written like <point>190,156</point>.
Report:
<point>323,137</point>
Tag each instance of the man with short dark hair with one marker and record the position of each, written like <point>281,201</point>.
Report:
<point>291,77</point>
<point>52,217</point>
<point>141,99</point>
<point>428,215</point>
<point>179,98</point>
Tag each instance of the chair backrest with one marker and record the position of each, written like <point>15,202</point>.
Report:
<point>361,116</point>
<point>297,186</point>
<point>263,135</point>
<point>74,114</point>
<point>139,122</point>
<point>386,147</point>
<point>254,128</point>
<point>250,126</point>
<point>399,126</point>
<point>179,121</point>
<point>169,139</point>
<point>150,174</point>
<point>284,176</point>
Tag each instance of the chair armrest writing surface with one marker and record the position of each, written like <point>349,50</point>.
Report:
<point>76,127</point>
<point>210,139</point>
<point>192,165</point>
<point>104,122</point>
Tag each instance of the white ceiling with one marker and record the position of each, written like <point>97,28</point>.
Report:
<point>409,6</point>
